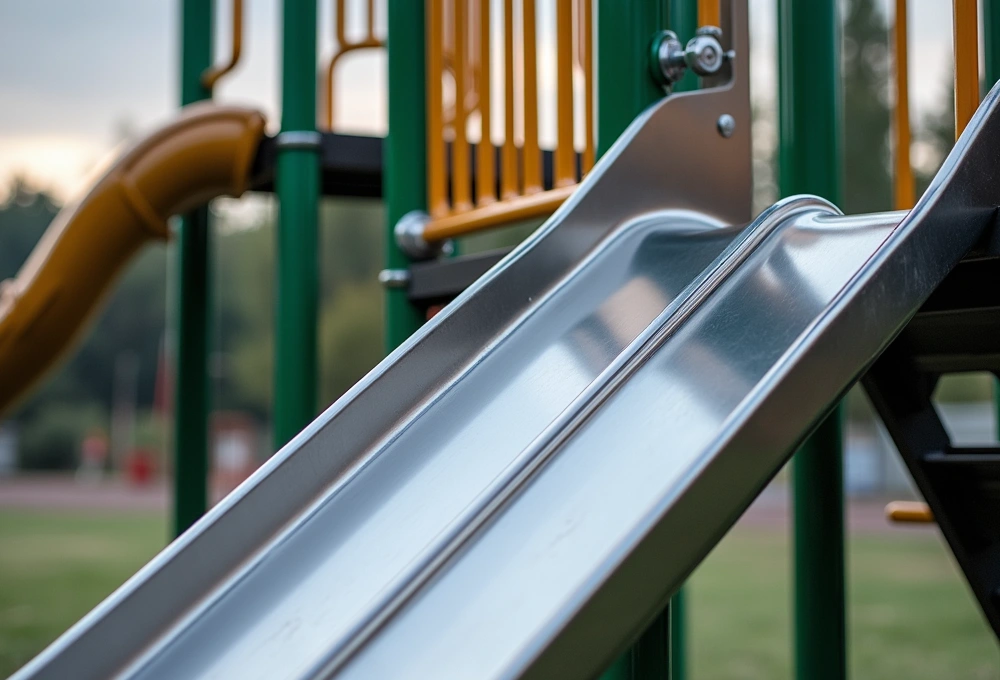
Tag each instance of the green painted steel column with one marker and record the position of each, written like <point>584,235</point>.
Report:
<point>297,188</point>
<point>991,42</point>
<point>991,46</point>
<point>810,162</point>
<point>191,393</point>
<point>405,159</point>
<point>625,30</point>
<point>682,19</point>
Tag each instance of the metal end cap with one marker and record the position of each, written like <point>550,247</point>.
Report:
<point>409,232</point>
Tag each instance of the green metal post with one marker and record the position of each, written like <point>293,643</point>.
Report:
<point>297,188</point>
<point>191,401</point>
<point>405,153</point>
<point>682,19</point>
<point>405,149</point>
<point>991,42</point>
<point>810,162</point>
<point>991,46</point>
<point>625,30</point>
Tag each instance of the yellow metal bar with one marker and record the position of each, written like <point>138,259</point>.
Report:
<point>531,154</point>
<point>496,215</point>
<point>437,198</point>
<point>911,512</point>
<point>207,152</point>
<point>485,174</point>
<point>345,46</point>
<point>966,23</point>
<point>508,153</point>
<point>211,76</point>
<point>461,172</point>
<point>708,13</point>
<point>903,189</point>
<point>331,69</point>
<point>586,39</point>
<point>565,154</point>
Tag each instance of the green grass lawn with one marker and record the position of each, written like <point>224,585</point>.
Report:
<point>911,615</point>
<point>55,566</point>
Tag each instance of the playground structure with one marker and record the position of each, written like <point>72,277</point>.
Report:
<point>592,410</point>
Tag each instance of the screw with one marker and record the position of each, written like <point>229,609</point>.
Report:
<point>394,278</point>
<point>726,125</point>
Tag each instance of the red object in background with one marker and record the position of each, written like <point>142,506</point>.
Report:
<point>139,467</point>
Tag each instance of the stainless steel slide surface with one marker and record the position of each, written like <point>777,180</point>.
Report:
<point>518,489</point>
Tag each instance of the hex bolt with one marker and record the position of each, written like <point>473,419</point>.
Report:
<point>704,54</point>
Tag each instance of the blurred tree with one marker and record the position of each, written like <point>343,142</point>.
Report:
<point>866,73</point>
<point>350,302</point>
<point>132,320</point>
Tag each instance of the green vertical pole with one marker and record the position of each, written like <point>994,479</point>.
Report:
<point>991,42</point>
<point>297,188</point>
<point>191,400</point>
<point>405,153</point>
<point>625,30</point>
<point>991,46</point>
<point>682,19</point>
<point>810,162</point>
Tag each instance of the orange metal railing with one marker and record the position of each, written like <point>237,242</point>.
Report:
<point>708,13</point>
<point>903,185</point>
<point>966,24</point>
<point>212,75</point>
<point>346,45</point>
<point>966,38</point>
<point>464,83</point>
<point>966,45</point>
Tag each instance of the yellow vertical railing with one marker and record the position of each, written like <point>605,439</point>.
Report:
<point>486,160</point>
<point>966,45</point>
<point>585,41</point>
<point>532,154</point>
<point>461,174</point>
<point>966,39</point>
<point>437,197</point>
<point>460,37</point>
<point>966,25</point>
<point>903,187</point>
<point>708,13</point>
<point>508,154</point>
<point>346,45</point>
<point>565,156</point>
<point>212,75</point>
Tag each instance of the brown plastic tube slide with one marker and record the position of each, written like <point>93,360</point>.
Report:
<point>208,151</point>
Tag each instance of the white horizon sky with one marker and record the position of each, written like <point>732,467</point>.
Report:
<point>78,74</point>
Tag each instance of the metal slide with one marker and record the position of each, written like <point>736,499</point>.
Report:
<point>517,490</point>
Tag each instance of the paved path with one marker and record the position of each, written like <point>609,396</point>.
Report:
<point>770,510</point>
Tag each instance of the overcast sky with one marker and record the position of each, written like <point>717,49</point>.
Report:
<point>77,74</point>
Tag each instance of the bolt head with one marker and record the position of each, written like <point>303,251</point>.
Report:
<point>704,55</point>
<point>669,58</point>
<point>726,125</point>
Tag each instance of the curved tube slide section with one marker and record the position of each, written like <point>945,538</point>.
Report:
<point>208,151</point>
